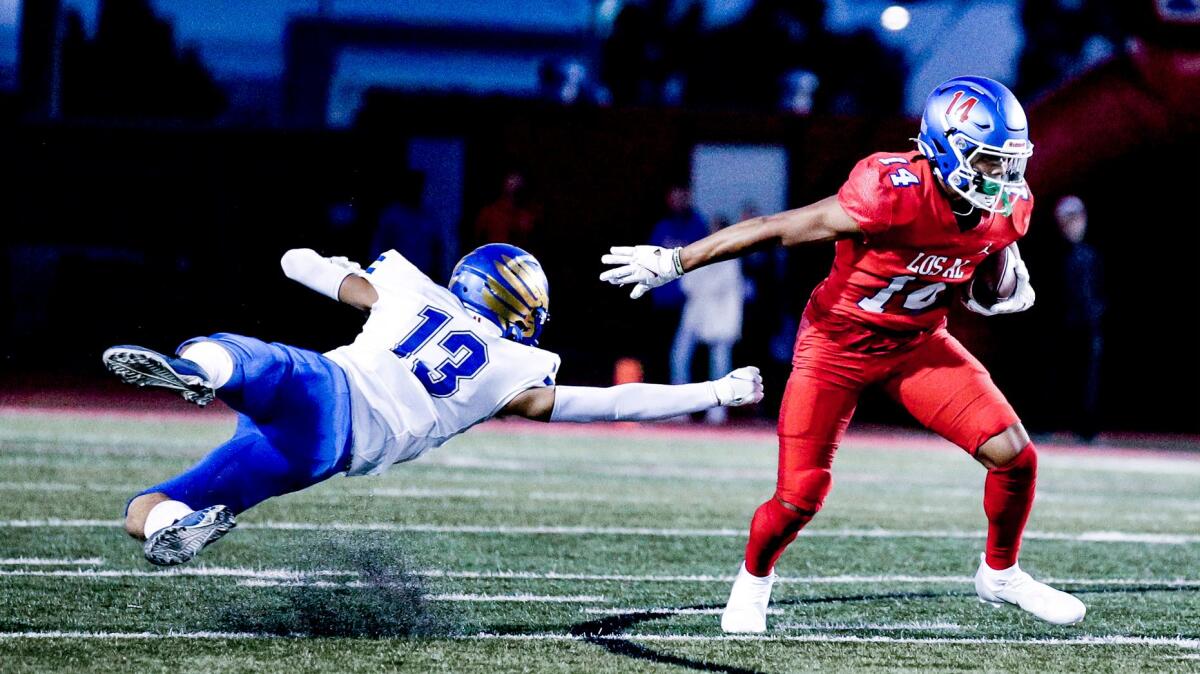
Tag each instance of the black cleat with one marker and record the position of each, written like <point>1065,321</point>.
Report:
<point>181,541</point>
<point>143,367</point>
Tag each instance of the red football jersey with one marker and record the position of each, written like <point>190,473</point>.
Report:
<point>896,281</point>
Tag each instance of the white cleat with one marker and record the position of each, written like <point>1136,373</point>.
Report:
<point>747,607</point>
<point>1014,586</point>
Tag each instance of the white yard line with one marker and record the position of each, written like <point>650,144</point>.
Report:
<point>278,575</point>
<point>284,577</point>
<point>1114,640</point>
<point>41,561</point>
<point>1084,537</point>
<point>560,599</point>
<point>418,492</point>
<point>662,611</point>
<point>844,504</point>
<point>520,597</point>
<point>871,627</point>
<point>134,635</point>
<point>64,486</point>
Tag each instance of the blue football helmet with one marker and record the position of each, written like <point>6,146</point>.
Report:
<point>975,134</point>
<point>506,286</point>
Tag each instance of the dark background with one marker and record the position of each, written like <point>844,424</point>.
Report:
<point>151,222</point>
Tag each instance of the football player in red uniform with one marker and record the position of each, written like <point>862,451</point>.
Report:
<point>911,228</point>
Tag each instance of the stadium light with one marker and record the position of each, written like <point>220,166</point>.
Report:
<point>895,18</point>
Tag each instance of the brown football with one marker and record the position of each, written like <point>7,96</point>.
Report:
<point>994,279</point>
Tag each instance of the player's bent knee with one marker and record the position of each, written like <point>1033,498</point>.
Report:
<point>804,491</point>
<point>1004,447</point>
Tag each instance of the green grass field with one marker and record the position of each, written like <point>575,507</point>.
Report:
<point>515,549</point>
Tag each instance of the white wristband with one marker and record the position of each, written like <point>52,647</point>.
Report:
<point>322,274</point>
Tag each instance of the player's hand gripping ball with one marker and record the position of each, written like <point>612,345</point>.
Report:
<point>1001,284</point>
<point>995,279</point>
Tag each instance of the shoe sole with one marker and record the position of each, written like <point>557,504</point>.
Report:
<point>1001,604</point>
<point>143,368</point>
<point>177,544</point>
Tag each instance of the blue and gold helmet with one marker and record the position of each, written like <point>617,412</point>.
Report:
<point>507,286</point>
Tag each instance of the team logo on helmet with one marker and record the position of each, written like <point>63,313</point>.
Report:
<point>506,286</point>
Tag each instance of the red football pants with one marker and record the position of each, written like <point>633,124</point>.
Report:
<point>936,379</point>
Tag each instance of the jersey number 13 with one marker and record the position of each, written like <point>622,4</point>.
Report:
<point>466,354</point>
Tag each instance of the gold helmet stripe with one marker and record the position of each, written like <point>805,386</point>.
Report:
<point>533,281</point>
<point>511,273</point>
<point>507,306</point>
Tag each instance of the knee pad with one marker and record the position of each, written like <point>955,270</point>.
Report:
<point>805,489</point>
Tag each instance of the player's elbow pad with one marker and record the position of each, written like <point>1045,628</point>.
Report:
<point>306,266</point>
<point>630,402</point>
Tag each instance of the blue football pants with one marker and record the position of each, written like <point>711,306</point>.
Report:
<point>293,428</point>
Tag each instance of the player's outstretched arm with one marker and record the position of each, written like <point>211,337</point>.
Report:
<point>651,266</point>
<point>334,277</point>
<point>636,402</point>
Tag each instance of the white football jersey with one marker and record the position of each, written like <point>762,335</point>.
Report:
<point>424,369</point>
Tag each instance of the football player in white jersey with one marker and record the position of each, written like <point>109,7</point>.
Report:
<point>430,363</point>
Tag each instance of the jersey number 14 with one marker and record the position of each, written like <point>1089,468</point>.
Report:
<point>466,354</point>
<point>919,299</point>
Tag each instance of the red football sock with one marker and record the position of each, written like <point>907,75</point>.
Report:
<point>1007,499</point>
<point>773,528</point>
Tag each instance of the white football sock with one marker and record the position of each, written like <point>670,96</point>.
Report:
<point>164,515</point>
<point>213,359</point>
<point>1001,574</point>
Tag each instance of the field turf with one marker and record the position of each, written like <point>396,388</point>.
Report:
<point>522,548</point>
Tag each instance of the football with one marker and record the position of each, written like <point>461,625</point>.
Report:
<point>994,280</point>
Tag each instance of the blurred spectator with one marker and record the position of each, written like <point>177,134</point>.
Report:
<point>511,218</point>
<point>406,227</point>
<point>565,81</point>
<point>799,91</point>
<point>681,226</point>
<point>767,308</point>
<point>712,315</point>
<point>1081,341</point>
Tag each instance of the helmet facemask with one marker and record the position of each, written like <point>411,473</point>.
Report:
<point>985,175</point>
<point>527,331</point>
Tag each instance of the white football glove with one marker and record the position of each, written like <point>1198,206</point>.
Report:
<point>1022,298</point>
<point>647,266</point>
<point>322,274</point>
<point>347,264</point>
<point>743,386</point>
